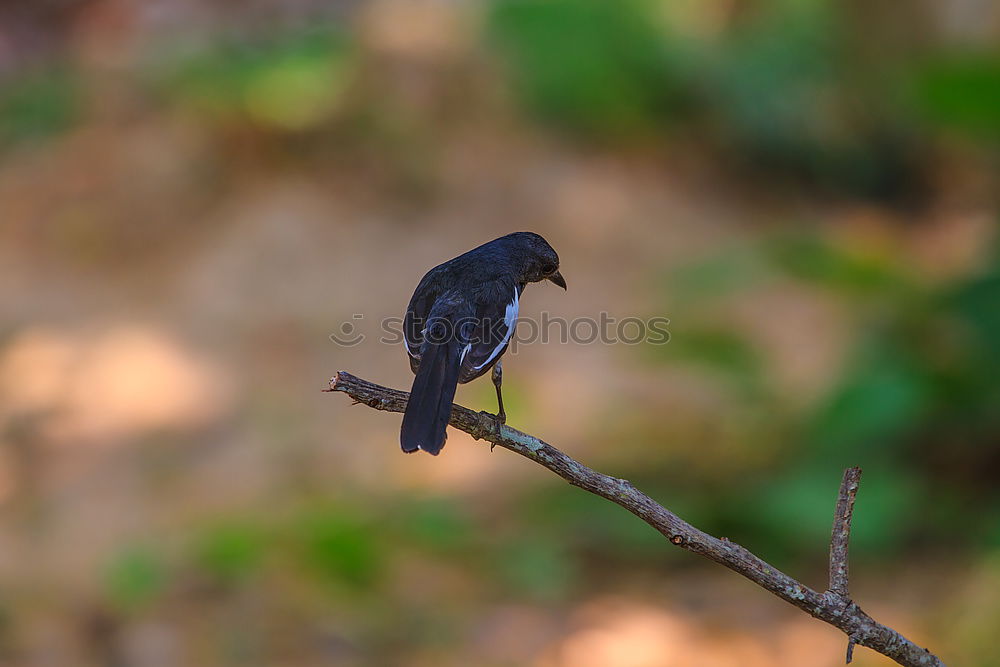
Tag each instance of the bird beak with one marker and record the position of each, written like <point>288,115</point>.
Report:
<point>558,279</point>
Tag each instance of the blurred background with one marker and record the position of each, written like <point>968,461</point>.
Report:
<point>195,195</point>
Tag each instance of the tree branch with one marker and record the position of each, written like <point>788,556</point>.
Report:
<point>841,536</point>
<point>833,606</point>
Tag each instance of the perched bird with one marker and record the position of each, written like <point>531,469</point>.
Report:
<point>458,324</point>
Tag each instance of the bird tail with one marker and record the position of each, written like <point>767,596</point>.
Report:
<point>429,408</point>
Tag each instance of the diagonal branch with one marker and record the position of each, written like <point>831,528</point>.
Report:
<point>833,607</point>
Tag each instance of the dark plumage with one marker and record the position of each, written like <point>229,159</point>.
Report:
<point>458,324</point>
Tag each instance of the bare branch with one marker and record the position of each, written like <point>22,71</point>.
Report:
<point>840,539</point>
<point>841,535</point>
<point>832,608</point>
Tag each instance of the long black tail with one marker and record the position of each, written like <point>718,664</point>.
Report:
<point>429,408</point>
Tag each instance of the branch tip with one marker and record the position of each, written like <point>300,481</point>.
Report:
<point>840,535</point>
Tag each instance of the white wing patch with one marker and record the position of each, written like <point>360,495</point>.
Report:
<point>510,320</point>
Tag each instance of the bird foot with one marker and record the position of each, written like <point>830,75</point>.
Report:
<point>498,421</point>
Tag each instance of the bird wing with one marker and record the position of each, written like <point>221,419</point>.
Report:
<point>418,312</point>
<point>496,318</point>
<point>495,304</point>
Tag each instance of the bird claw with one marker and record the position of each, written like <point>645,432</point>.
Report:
<point>498,422</point>
<point>489,424</point>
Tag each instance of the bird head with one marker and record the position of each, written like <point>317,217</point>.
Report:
<point>540,261</point>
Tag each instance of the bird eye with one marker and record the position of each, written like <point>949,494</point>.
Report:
<point>548,268</point>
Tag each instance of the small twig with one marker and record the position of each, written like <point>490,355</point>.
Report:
<point>833,609</point>
<point>841,535</point>
<point>840,540</point>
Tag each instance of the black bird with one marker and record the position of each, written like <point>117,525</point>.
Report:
<point>458,324</point>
